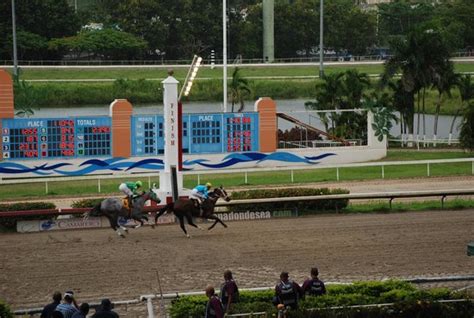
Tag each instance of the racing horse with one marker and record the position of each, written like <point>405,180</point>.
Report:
<point>186,208</point>
<point>112,208</point>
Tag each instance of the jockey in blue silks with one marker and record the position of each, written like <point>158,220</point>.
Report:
<point>200,193</point>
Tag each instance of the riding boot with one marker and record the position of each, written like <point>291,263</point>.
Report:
<point>130,204</point>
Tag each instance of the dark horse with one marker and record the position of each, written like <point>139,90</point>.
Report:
<point>185,208</point>
<point>112,208</point>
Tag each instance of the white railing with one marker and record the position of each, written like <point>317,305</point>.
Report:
<point>245,171</point>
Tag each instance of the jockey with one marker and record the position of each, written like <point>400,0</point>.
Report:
<point>130,190</point>
<point>200,193</point>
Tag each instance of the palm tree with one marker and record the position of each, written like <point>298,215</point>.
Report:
<point>443,79</point>
<point>239,87</point>
<point>328,96</point>
<point>403,60</point>
<point>467,128</point>
<point>466,91</point>
<point>355,86</point>
<point>26,98</point>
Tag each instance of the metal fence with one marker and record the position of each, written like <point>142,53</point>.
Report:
<point>186,62</point>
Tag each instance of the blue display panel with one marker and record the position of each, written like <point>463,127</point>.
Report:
<point>202,133</point>
<point>205,135</point>
<point>94,136</point>
<point>56,137</point>
<point>145,133</point>
<point>241,132</point>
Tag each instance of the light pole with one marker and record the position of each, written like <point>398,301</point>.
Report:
<point>224,53</point>
<point>321,33</point>
<point>15,57</point>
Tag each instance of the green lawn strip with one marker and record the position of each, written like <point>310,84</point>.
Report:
<point>406,155</point>
<point>268,178</point>
<point>384,206</point>
<point>160,72</point>
<point>77,94</point>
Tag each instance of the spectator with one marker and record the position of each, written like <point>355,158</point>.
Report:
<point>83,311</point>
<point>229,291</point>
<point>287,292</point>
<point>57,314</point>
<point>69,305</point>
<point>105,310</point>
<point>314,286</point>
<point>49,308</point>
<point>214,308</point>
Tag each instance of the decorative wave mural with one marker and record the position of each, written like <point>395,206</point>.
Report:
<point>90,166</point>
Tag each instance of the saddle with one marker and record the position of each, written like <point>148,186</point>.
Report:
<point>126,205</point>
<point>195,203</point>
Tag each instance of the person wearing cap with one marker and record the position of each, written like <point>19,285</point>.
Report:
<point>130,189</point>
<point>83,311</point>
<point>69,306</point>
<point>229,291</point>
<point>287,292</point>
<point>200,193</point>
<point>49,308</point>
<point>214,307</point>
<point>105,310</point>
<point>314,286</point>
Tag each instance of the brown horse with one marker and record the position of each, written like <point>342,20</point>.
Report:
<point>185,208</point>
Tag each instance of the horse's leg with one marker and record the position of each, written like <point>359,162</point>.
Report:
<point>161,212</point>
<point>181,224</point>
<point>114,224</point>
<point>189,217</point>
<point>216,220</point>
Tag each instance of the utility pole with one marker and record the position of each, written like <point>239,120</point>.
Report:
<point>321,34</point>
<point>224,53</point>
<point>15,55</point>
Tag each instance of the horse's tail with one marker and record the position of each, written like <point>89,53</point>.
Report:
<point>95,211</point>
<point>166,208</point>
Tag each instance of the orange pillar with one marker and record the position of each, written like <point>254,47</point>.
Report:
<point>121,111</point>
<point>266,108</point>
<point>6,101</point>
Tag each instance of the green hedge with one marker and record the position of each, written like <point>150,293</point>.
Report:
<point>5,311</point>
<point>86,203</point>
<point>409,302</point>
<point>10,222</point>
<point>304,207</point>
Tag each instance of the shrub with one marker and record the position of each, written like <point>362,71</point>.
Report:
<point>10,222</point>
<point>409,302</point>
<point>302,206</point>
<point>86,203</point>
<point>5,311</point>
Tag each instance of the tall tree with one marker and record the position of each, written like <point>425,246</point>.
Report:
<point>467,128</point>
<point>328,96</point>
<point>398,18</point>
<point>239,87</point>
<point>466,93</point>
<point>37,21</point>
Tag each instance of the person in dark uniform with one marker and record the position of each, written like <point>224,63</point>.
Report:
<point>287,292</point>
<point>314,286</point>
<point>214,307</point>
<point>49,308</point>
<point>229,291</point>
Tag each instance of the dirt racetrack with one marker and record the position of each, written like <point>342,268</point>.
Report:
<point>96,263</point>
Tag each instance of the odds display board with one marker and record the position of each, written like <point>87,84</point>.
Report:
<point>201,133</point>
<point>56,137</point>
<point>92,136</point>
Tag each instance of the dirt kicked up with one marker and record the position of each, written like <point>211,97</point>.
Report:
<point>97,264</point>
